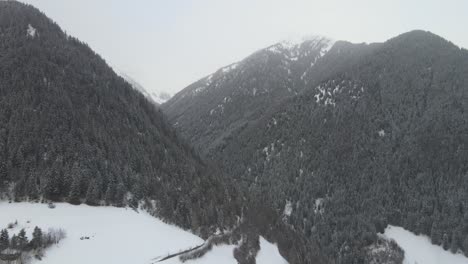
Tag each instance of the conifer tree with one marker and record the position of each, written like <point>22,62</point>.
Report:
<point>110,193</point>
<point>14,242</point>
<point>93,193</point>
<point>36,241</point>
<point>4,239</point>
<point>436,236</point>
<point>75,190</point>
<point>119,194</point>
<point>445,241</point>
<point>22,239</point>
<point>465,246</point>
<point>31,187</point>
<point>455,242</point>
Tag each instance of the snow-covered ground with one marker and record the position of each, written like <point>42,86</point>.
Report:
<point>419,249</point>
<point>117,236</point>
<point>218,255</point>
<point>269,254</point>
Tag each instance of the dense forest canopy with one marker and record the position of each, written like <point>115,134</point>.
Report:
<point>72,130</point>
<point>213,109</point>
<point>377,136</point>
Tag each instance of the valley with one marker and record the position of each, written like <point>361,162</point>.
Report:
<point>314,151</point>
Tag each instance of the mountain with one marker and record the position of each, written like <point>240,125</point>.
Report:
<point>157,97</point>
<point>215,108</point>
<point>72,130</point>
<point>376,136</point>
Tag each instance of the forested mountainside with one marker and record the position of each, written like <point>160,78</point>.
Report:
<point>215,108</point>
<point>377,137</point>
<point>72,130</point>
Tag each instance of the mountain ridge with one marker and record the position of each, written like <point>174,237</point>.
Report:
<point>260,80</point>
<point>373,138</point>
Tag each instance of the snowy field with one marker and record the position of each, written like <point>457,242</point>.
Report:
<point>117,236</point>
<point>419,249</point>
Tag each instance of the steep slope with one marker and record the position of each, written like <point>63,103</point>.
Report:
<point>72,130</point>
<point>215,108</point>
<point>381,140</point>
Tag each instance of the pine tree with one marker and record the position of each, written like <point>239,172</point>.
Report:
<point>465,246</point>
<point>31,187</point>
<point>454,243</point>
<point>75,190</point>
<point>53,186</point>
<point>110,193</point>
<point>445,241</point>
<point>93,193</point>
<point>36,241</point>
<point>22,239</point>
<point>3,171</point>
<point>4,239</point>
<point>119,194</point>
<point>436,236</point>
<point>14,242</point>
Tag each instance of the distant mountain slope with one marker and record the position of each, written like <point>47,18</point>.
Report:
<point>383,140</point>
<point>156,97</point>
<point>72,130</point>
<point>376,135</point>
<point>215,108</point>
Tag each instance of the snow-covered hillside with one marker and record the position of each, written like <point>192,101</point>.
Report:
<point>420,250</point>
<point>116,236</point>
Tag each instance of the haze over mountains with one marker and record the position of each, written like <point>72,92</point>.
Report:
<point>74,131</point>
<point>316,146</point>
<point>156,97</point>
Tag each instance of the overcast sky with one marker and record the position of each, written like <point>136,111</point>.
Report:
<point>166,45</point>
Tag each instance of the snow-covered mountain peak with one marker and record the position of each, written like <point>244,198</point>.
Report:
<point>292,44</point>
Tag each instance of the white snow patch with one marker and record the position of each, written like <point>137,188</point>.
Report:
<point>229,68</point>
<point>288,208</point>
<point>117,235</point>
<point>268,254</point>
<point>198,90</point>
<point>327,47</point>
<point>420,250</point>
<point>381,133</point>
<point>318,208</point>
<point>31,31</point>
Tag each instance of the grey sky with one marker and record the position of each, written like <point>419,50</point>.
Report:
<point>166,45</point>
